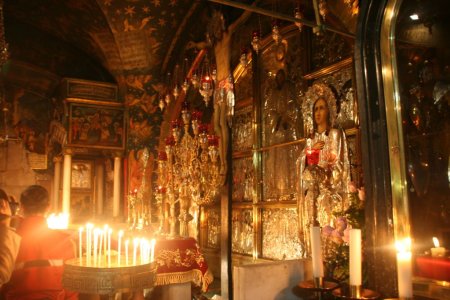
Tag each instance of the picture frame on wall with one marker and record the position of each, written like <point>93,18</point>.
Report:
<point>96,126</point>
<point>81,175</point>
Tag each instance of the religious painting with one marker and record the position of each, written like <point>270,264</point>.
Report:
<point>81,206</point>
<point>96,126</point>
<point>81,175</point>
<point>339,77</point>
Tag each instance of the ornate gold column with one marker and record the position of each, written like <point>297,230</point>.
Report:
<point>67,181</point>
<point>56,182</point>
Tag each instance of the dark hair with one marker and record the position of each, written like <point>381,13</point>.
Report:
<point>3,195</point>
<point>34,200</point>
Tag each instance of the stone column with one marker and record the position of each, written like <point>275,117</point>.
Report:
<point>67,182</point>
<point>116,190</point>
<point>100,176</point>
<point>56,182</point>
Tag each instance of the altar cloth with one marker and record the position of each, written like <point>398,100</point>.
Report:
<point>437,268</point>
<point>180,260</point>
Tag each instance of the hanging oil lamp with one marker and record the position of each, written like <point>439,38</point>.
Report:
<point>243,58</point>
<point>298,15</point>
<point>256,41</point>
<point>276,31</point>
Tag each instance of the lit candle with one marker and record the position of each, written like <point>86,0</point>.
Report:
<point>96,234</point>
<point>126,251</point>
<point>100,253</point>
<point>105,233</point>
<point>316,252</point>
<point>80,243</point>
<point>135,245</point>
<point>404,268</point>
<point>152,252</point>
<point>355,257</point>
<point>141,250</point>
<point>119,244</point>
<point>109,247</point>
<point>89,227</point>
<point>437,250</point>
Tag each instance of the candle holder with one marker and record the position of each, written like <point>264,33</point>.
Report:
<point>354,292</point>
<point>318,286</point>
<point>80,278</point>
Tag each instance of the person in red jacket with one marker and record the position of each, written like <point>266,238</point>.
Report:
<point>39,264</point>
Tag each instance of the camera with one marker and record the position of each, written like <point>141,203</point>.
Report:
<point>13,205</point>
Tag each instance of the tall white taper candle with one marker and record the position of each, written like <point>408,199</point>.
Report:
<point>404,269</point>
<point>355,257</point>
<point>316,252</point>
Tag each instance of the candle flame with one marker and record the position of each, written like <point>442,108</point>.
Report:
<point>120,233</point>
<point>403,245</point>
<point>436,242</point>
<point>58,221</point>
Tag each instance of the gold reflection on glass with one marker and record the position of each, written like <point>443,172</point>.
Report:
<point>394,122</point>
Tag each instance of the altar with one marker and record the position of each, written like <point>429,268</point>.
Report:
<point>177,263</point>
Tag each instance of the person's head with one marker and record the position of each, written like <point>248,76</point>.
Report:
<point>319,109</point>
<point>34,200</point>
<point>321,113</point>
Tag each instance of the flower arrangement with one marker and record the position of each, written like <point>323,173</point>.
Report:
<point>335,237</point>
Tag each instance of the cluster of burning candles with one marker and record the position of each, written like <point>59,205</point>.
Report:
<point>404,261</point>
<point>99,253</point>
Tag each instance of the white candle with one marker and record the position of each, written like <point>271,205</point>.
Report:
<point>437,251</point>
<point>89,227</point>
<point>100,252</point>
<point>355,257</point>
<point>141,250</point>
<point>119,244</point>
<point>96,234</point>
<point>126,252</point>
<point>152,251</point>
<point>135,245</point>
<point>316,252</point>
<point>404,268</point>
<point>105,233</point>
<point>80,243</point>
<point>109,247</point>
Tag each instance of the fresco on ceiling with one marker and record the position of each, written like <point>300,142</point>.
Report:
<point>144,30</point>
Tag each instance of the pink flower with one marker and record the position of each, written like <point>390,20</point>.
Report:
<point>361,194</point>
<point>351,187</point>
<point>336,236</point>
<point>341,224</point>
<point>327,230</point>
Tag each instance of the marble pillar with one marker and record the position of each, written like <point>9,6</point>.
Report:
<point>56,183</point>
<point>116,189</point>
<point>100,182</point>
<point>66,183</point>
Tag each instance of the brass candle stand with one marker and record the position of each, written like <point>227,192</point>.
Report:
<point>355,293</point>
<point>317,286</point>
<point>106,280</point>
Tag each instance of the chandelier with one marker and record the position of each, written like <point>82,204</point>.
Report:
<point>188,170</point>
